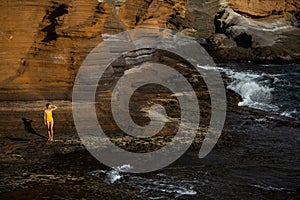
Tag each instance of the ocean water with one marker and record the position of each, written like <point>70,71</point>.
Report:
<point>271,88</point>
<point>263,162</point>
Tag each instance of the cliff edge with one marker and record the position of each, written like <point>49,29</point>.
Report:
<point>43,43</point>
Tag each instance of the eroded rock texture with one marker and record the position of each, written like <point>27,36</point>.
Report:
<point>259,31</point>
<point>268,9</point>
<point>44,42</point>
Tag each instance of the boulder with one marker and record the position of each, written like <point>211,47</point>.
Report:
<point>239,38</point>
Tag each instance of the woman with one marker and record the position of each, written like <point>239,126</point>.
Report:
<point>48,120</point>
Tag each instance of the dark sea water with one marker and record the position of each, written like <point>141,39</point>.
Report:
<point>271,88</point>
<point>263,162</point>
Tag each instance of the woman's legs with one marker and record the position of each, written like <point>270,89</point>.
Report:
<point>50,130</point>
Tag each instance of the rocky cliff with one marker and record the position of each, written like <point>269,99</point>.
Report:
<point>266,9</point>
<point>44,42</point>
<point>259,31</point>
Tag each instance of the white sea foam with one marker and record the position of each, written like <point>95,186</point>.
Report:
<point>160,187</point>
<point>184,191</point>
<point>289,114</point>
<point>246,84</point>
<point>207,67</point>
<point>269,188</point>
<point>254,95</point>
<point>123,168</point>
<point>114,175</point>
<point>163,186</point>
<point>261,119</point>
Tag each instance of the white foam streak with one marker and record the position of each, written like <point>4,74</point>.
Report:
<point>112,176</point>
<point>269,188</point>
<point>161,187</point>
<point>289,114</point>
<point>123,168</point>
<point>253,94</point>
<point>246,84</point>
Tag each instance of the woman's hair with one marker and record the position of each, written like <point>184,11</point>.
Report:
<point>47,105</point>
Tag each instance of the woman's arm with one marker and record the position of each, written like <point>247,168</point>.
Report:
<point>53,107</point>
<point>45,118</point>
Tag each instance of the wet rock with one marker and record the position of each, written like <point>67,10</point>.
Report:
<point>240,38</point>
<point>44,45</point>
<point>296,19</point>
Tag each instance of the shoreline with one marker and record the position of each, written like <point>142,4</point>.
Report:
<point>33,167</point>
<point>30,163</point>
<point>56,170</point>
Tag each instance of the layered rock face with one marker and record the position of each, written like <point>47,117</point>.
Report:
<point>48,41</point>
<point>265,9</point>
<point>260,31</point>
<point>44,42</point>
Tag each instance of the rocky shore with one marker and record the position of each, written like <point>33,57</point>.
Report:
<point>43,44</point>
<point>32,167</point>
<point>39,170</point>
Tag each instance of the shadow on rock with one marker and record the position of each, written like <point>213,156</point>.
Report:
<point>29,129</point>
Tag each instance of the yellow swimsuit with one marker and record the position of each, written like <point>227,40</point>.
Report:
<point>49,116</point>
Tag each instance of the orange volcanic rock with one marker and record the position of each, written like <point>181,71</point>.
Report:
<point>43,43</point>
<point>265,9</point>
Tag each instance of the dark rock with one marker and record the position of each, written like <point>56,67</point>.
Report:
<point>243,39</point>
<point>296,19</point>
